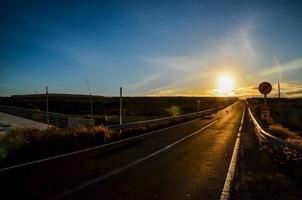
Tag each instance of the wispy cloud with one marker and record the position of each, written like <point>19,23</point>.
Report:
<point>178,91</point>
<point>290,89</point>
<point>246,91</point>
<point>279,69</point>
<point>196,74</point>
<point>146,81</point>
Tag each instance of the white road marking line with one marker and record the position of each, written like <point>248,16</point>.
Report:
<point>100,178</point>
<point>225,194</point>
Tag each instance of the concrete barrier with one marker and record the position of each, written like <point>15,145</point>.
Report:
<point>73,122</point>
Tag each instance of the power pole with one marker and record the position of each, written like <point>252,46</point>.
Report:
<point>279,94</point>
<point>121,105</point>
<point>47,114</point>
<point>91,107</point>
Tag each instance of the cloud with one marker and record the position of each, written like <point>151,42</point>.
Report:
<point>239,44</point>
<point>279,69</point>
<point>291,89</point>
<point>196,73</point>
<point>177,91</point>
<point>246,91</point>
<point>297,92</point>
<point>288,90</point>
<point>146,81</point>
<point>173,72</point>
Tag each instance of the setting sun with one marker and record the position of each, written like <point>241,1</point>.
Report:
<point>225,84</point>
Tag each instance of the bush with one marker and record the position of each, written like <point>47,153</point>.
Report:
<point>295,141</point>
<point>285,134</point>
<point>281,132</point>
<point>24,144</point>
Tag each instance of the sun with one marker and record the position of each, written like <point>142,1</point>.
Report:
<point>225,84</point>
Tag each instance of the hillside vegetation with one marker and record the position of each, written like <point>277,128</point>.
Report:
<point>134,106</point>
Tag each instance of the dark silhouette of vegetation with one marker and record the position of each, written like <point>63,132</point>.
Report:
<point>134,106</point>
<point>27,144</point>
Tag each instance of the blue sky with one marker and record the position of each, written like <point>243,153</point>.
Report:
<point>149,47</point>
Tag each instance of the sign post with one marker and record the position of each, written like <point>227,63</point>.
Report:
<point>198,105</point>
<point>265,112</point>
<point>265,88</point>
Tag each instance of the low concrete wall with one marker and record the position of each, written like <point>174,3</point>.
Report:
<point>78,122</point>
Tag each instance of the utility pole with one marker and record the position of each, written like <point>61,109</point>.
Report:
<point>121,105</point>
<point>47,114</point>
<point>279,94</point>
<point>91,107</point>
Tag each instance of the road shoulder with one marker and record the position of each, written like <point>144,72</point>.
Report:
<point>258,176</point>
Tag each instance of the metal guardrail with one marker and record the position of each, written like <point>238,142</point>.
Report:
<point>165,119</point>
<point>264,137</point>
<point>55,119</point>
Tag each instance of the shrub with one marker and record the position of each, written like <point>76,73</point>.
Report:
<point>23,144</point>
<point>285,134</point>
<point>281,132</point>
<point>295,141</point>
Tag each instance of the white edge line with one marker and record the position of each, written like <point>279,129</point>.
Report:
<point>93,148</point>
<point>225,194</point>
<point>116,171</point>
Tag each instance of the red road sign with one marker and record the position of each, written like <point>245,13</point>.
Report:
<point>265,112</point>
<point>264,108</point>
<point>265,88</point>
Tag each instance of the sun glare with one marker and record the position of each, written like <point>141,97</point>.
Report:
<point>225,85</point>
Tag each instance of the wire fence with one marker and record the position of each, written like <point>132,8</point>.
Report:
<point>55,119</point>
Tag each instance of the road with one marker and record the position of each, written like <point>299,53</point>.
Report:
<point>189,161</point>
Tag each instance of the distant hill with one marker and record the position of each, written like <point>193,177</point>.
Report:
<point>147,106</point>
<point>54,95</point>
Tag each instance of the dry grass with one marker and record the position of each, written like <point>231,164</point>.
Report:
<point>281,132</point>
<point>286,134</point>
<point>28,143</point>
<point>295,141</point>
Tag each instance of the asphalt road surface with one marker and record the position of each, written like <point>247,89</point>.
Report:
<point>8,121</point>
<point>189,161</point>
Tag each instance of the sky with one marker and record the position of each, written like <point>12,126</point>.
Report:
<point>156,48</point>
